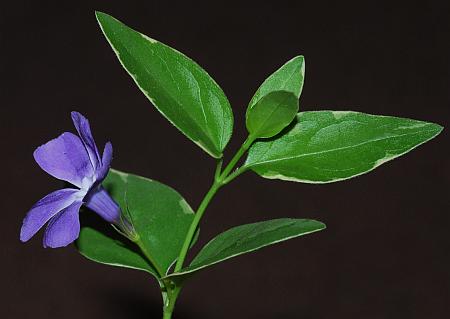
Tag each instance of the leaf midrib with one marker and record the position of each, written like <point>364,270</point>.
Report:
<point>283,87</point>
<point>277,107</point>
<point>194,268</point>
<point>333,150</point>
<point>244,238</point>
<point>217,152</point>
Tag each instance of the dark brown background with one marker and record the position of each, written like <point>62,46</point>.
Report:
<point>385,253</point>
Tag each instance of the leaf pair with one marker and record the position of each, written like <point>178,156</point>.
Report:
<point>321,146</point>
<point>159,215</point>
<point>161,218</point>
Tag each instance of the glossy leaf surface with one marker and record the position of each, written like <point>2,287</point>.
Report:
<point>247,238</point>
<point>111,249</point>
<point>271,114</point>
<point>158,213</point>
<point>178,87</point>
<point>329,146</point>
<point>289,77</point>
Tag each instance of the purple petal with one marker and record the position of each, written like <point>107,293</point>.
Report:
<point>84,130</point>
<point>65,158</point>
<point>106,162</point>
<point>45,209</point>
<point>101,203</point>
<point>63,228</point>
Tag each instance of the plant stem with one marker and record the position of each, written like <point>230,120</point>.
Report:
<point>218,169</point>
<point>197,217</point>
<point>169,299</point>
<point>218,182</point>
<point>248,142</point>
<point>167,315</point>
<point>171,290</point>
<point>233,175</point>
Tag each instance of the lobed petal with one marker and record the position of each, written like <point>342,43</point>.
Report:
<point>84,131</point>
<point>101,202</point>
<point>45,209</point>
<point>106,162</point>
<point>64,227</point>
<point>65,158</point>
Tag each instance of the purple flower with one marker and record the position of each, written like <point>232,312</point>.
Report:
<point>74,159</point>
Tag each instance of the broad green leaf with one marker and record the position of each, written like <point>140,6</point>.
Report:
<point>271,114</point>
<point>247,238</point>
<point>111,249</point>
<point>177,86</point>
<point>288,77</point>
<point>160,216</point>
<point>329,146</point>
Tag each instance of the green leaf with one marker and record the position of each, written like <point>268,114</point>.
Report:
<point>271,114</point>
<point>329,146</point>
<point>178,87</point>
<point>288,77</point>
<point>159,215</point>
<point>247,238</point>
<point>112,249</point>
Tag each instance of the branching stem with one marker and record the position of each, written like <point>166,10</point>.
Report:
<point>219,180</point>
<point>171,290</point>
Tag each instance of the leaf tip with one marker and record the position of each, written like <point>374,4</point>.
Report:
<point>439,128</point>
<point>321,225</point>
<point>99,15</point>
<point>299,58</point>
<point>436,129</point>
<point>103,19</point>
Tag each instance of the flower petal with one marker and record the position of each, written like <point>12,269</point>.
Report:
<point>64,227</point>
<point>84,130</point>
<point>65,158</point>
<point>45,209</point>
<point>106,162</point>
<point>102,203</point>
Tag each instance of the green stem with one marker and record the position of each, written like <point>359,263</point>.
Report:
<point>167,314</point>
<point>248,142</point>
<point>193,227</point>
<point>233,175</point>
<point>218,182</point>
<point>169,298</point>
<point>218,169</point>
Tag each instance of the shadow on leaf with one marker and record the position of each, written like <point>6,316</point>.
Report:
<point>90,219</point>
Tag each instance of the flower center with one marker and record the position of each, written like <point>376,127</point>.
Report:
<point>86,184</point>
